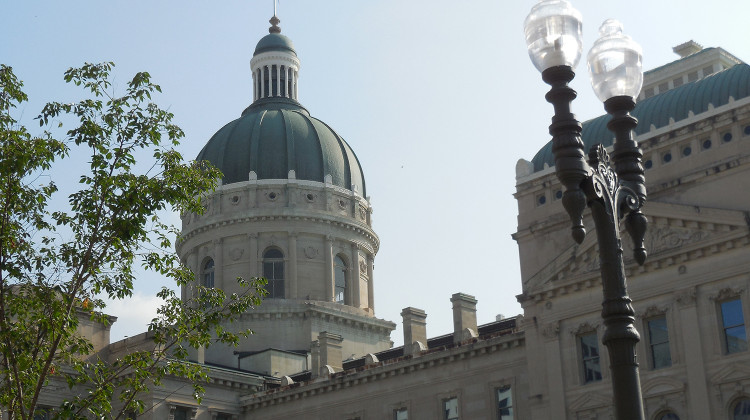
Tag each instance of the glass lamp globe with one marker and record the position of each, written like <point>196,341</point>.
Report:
<point>615,63</point>
<point>553,34</point>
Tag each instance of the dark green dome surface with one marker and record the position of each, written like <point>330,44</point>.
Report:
<point>657,110</point>
<point>276,135</point>
<point>274,42</point>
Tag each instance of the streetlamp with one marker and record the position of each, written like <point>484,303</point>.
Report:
<point>553,37</point>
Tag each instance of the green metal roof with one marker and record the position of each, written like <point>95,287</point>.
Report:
<point>276,135</point>
<point>274,42</point>
<point>657,110</point>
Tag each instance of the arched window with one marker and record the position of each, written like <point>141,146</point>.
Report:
<point>668,416</point>
<point>339,295</point>
<point>742,410</point>
<point>208,273</point>
<point>273,271</point>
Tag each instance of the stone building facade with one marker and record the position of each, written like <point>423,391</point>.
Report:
<point>293,207</point>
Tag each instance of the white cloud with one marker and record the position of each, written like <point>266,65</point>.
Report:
<point>133,314</point>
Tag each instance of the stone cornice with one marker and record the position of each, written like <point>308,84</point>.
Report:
<point>566,281</point>
<point>372,245</point>
<point>330,312</point>
<point>387,369</point>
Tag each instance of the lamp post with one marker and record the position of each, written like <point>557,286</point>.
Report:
<point>613,189</point>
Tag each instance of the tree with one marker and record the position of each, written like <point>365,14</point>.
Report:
<point>56,264</point>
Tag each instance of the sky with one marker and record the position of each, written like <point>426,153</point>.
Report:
<point>438,99</point>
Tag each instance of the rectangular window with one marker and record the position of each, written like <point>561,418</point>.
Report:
<point>504,403</point>
<point>733,322</point>
<point>592,370</point>
<point>450,408</point>
<point>401,414</point>
<point>658,342</point>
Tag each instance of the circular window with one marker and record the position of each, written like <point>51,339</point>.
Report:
<point>667,157</point>
<point>272,196</point>
<point>342,204</point>
<point>747,130</point>
<point>309,197</point>
<point>648,164</point>
<point>727,137</point>
<point>706,144</point>
<point>558,194</point>
<point>541,200</point>
<point>687,151</point>
<point>235,199</point>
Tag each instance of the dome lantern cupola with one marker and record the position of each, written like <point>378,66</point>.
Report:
<point>275,66</point>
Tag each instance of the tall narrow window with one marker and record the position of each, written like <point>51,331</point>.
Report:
<point>504,403</point>
<point>339,295</point>
<point>450,408</point>
<point>735,337</point>
<point>273,271</point>
<point>592,370</point>
<point>208,273</point>
<point>742,410</point>
<point>401,414</point>
<point>658,343</point>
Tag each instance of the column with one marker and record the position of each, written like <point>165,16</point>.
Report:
<point>192,263</point>
<point>262,81</point>
<point>291,283</point>
<point>278,80</point>
<point>253,239</point>
<point>329,279</point>
<point>219,264</point>
<point>355,281</point>
<point>692,337</point>
<point>296,82</point>
<point>255,93</point>
<point>370,284</point>
<point>287,80</point>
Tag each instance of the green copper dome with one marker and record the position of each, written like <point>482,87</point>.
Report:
<point>274,42</point>
<point>276,135</point>
<point>676,104</point>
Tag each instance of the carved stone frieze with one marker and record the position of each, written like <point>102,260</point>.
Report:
<point>652,311</point>
<point>584,327</point>
<point>551,331</point>
<point>686,297</point>
<point>236,253</point>
<point>311,252</point>
<point>727,293</point>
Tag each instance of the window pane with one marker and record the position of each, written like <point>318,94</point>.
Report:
<point>278,289</point>
<point>669,416</point>
<point>268,270</point>
<point>731,313</point>
<point>742,410</point>
<point>401,414</point>
<point>278,270</point>
<point>657,330</point>
<point>450,408</point>
<point>273,253</point>
<point>734,326</point>
<point>736,339</point>
<point>180,414</point>
<point>592,371</point>
<point>504,404</point>
<point>661,355</point>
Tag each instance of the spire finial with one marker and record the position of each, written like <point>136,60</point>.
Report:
<point>274,29</point>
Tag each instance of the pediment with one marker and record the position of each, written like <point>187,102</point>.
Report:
<point>661,386</point>
<point>589,401</point>
<point>731,373</point>
<point>673,230</point>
